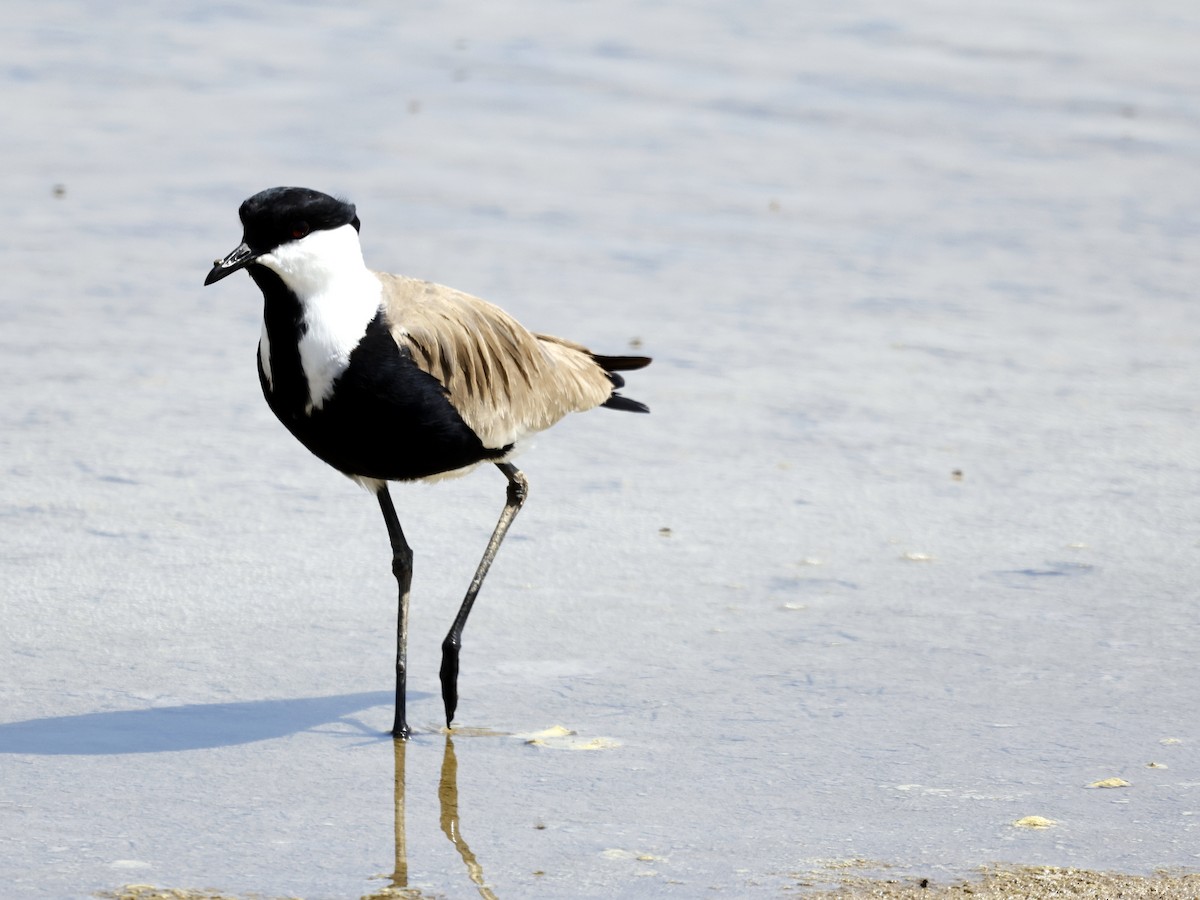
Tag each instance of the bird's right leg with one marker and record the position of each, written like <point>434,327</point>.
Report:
<point>518,490</point>
<point>402,560</point>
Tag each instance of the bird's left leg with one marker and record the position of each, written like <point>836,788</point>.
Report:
<point>402,560</point>
<point>518,489</point>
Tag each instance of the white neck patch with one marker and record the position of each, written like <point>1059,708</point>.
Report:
<point>339,295</point>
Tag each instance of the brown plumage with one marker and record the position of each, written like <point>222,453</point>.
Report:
<point>505,381</point>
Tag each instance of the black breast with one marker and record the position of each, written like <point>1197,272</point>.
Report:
<point>386,418</point>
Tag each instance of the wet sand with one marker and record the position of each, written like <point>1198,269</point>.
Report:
<point>906,552</point>
<point>1040,883</point>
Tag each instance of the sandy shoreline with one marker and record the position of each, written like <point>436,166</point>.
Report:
<point>1030,883</point>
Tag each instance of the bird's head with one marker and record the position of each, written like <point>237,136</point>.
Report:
<point>291,230</point>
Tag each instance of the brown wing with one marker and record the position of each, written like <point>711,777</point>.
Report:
<point>506,382</point>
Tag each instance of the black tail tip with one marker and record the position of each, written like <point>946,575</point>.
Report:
<point>616,401</point>
<point>621,363</point>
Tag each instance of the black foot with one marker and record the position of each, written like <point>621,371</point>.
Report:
<point>449,676</point>
<point>400,728</point>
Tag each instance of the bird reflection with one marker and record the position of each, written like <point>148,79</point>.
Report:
<point>398,887</point>
<point>448,799</point>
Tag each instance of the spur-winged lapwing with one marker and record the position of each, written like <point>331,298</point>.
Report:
<point>389,378</point>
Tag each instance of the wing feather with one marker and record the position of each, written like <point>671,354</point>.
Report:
<point>506,382</point>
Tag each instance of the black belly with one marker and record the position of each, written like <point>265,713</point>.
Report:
<point>386,418</point>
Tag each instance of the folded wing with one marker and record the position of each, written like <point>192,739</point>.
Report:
<point>505,381</point>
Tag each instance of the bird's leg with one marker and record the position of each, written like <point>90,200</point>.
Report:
<point>402,560</point>
<point>518,489</point>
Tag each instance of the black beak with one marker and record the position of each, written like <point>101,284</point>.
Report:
<point>238,259</point>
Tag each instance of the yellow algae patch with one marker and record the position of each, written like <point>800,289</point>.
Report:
<point>1110,783</point>
<point>470,731</point>
<point>554,731</point>
<point>558,737</point>
<point>1034,822</point>
<point>617,853</point>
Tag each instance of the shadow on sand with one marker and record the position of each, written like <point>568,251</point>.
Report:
<point>207,725</point>
<point>171,728</point>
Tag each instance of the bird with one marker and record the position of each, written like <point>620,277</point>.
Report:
<point>389,378</point>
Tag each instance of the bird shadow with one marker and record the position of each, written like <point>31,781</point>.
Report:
<point>194,726</point>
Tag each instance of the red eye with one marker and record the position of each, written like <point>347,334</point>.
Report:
<point>300,230</point>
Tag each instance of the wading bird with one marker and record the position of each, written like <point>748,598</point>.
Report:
<point>389,378</point>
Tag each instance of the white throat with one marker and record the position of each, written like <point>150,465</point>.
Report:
<point>339,295</point>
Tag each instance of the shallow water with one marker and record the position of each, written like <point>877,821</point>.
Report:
<point>905,553</point>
